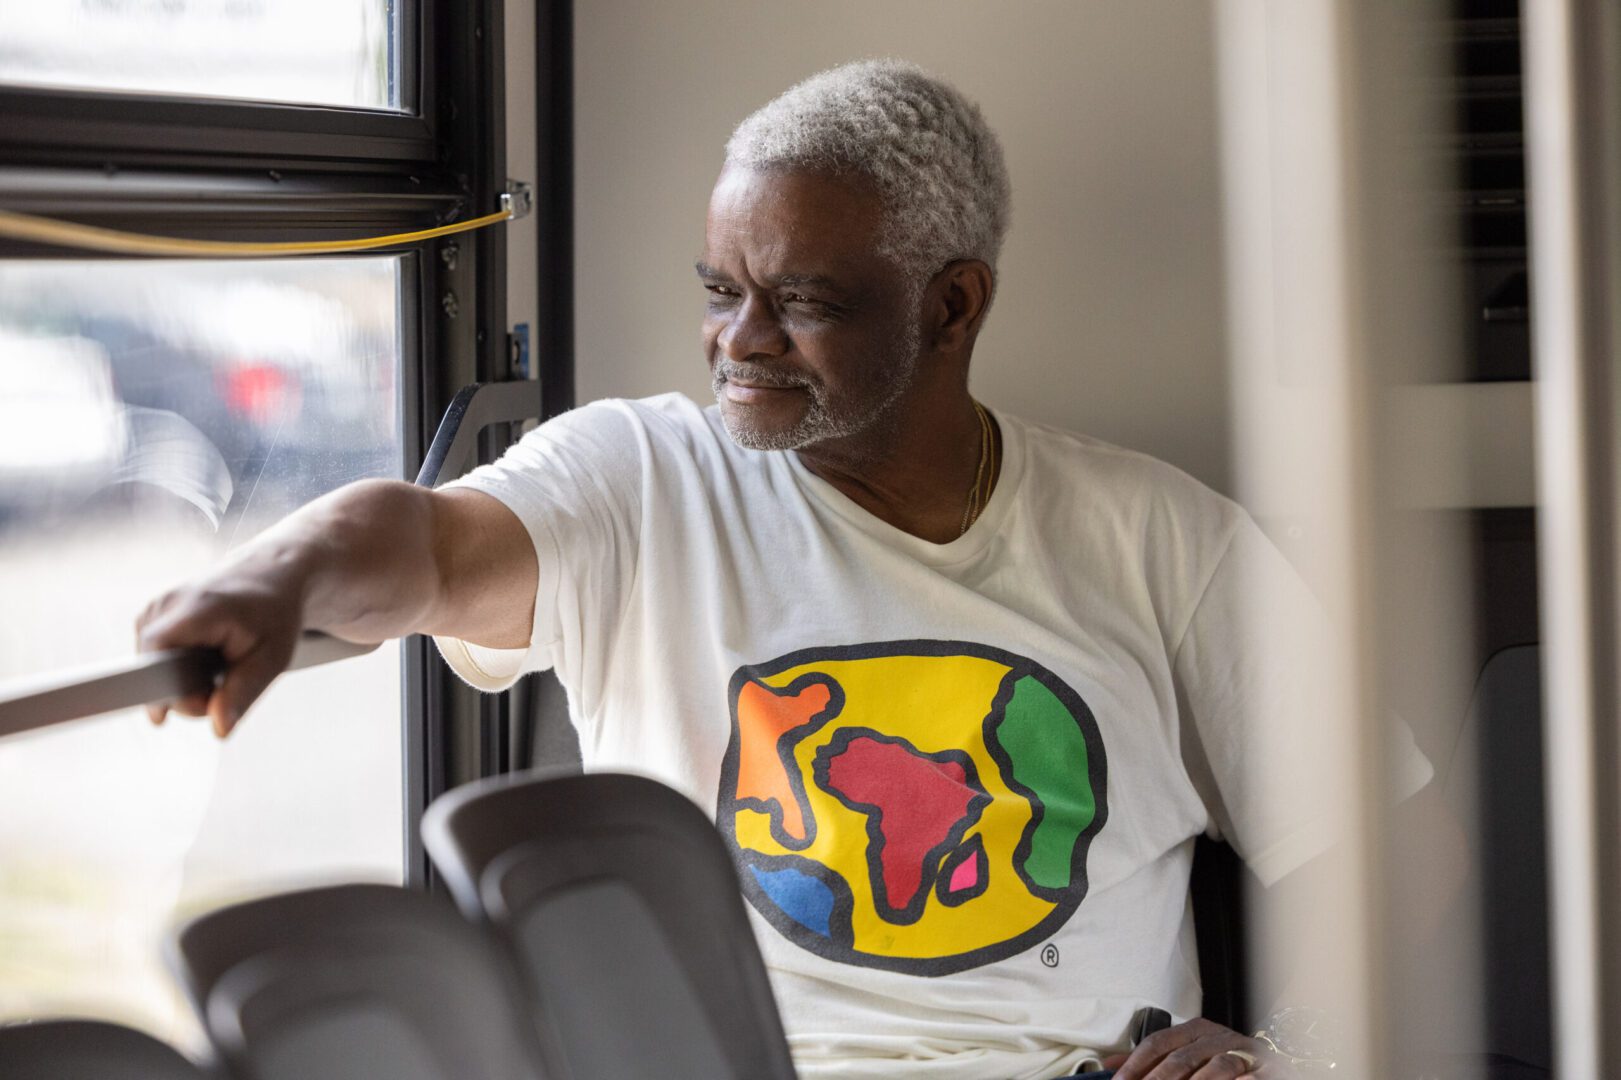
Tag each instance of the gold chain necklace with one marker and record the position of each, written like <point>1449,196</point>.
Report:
<point>984,478</point>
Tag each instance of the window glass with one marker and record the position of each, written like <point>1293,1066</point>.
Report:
<point>154,415</point>
<point>329,52</point>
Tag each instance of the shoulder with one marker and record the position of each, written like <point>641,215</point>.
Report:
<point>635,427</point>
<point>675,415</point>
<point>1101,478</point>
<point>666,412</point>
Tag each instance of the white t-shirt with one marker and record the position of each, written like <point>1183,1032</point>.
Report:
<point>961,781</point>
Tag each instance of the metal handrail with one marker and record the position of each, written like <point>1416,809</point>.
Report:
<point>473,409</point>
<point>124,684</point>
<point>62,696</point>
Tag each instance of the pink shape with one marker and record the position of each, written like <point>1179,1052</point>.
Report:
<point>966,876</point>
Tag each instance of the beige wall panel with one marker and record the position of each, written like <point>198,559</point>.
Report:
<point>1109,320</point>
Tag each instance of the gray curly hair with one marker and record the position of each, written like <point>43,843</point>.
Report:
<point>937,165</point>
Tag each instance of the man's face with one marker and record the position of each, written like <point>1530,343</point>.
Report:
<point>810,335</point>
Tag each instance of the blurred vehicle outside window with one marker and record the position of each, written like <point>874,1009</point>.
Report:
<point>153,416</point>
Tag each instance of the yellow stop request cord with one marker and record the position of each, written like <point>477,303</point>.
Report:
<point>515,203</point>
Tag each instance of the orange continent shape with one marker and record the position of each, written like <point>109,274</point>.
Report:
<point>763,717</point>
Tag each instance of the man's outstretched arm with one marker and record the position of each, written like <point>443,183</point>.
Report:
<point>368,562</point>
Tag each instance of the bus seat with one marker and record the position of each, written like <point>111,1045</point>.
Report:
<point>622,904</point>
<point>355,982</point>
<point>69,1049</point>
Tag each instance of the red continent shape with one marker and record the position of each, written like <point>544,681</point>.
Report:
<point>917,803</point>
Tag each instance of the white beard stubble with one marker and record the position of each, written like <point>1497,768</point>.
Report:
<point>823,419</point>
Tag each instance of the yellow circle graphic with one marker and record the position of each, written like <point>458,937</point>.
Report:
<point>918,806</point>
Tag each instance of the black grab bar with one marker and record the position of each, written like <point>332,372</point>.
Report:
<point>30,704</point>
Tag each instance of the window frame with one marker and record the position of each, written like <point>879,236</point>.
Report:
<point>91,126</point>
<point>138,127</point>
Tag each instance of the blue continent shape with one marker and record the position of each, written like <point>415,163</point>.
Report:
<point>803,898</point>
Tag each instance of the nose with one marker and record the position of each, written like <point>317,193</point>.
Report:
<point>751,331</point>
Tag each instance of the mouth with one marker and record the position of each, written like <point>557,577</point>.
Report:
<point>737,384</point>
<point>755,394</point>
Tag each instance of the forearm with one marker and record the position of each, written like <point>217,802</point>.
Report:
<point>358,563</point>
<point>372,561</point>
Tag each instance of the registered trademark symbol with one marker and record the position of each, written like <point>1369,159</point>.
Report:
<point>1049,956</point>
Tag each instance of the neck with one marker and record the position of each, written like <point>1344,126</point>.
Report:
<point>913,470</point>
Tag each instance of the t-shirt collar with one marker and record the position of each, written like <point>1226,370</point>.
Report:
<point>966,546</point>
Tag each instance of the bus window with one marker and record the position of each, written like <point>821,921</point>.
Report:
<point>205,401</point>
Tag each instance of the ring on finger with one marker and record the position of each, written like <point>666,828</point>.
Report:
<point>1245,1056</point>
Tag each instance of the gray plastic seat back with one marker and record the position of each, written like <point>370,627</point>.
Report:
<point>88,1050</point>
<point>619,897</point>
<point>356,982</point>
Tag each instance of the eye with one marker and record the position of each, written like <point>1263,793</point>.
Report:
<point>725,291</point>
<point>800,306</point>
<point>809,302</point>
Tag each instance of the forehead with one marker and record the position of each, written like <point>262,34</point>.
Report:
<point>770,221</point>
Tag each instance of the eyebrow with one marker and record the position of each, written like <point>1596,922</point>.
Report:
<point>780,281</point>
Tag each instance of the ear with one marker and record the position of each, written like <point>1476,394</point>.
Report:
<point>959,295</point>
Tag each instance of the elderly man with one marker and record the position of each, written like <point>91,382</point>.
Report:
<point>960,689</point>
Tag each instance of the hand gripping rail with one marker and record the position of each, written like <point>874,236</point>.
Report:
<point>26,705</point>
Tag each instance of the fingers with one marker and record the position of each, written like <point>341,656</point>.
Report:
<point>222,718</point>
<point>1152,1051</point>
<point>1196,1050</point>
<point>171,621</point>
<point>190,705</point>
<point>255,637</point>
<point>244,681</point>
<point>1203,1060</point>
<point>1271,1070</point>
<point>1228,1066</point>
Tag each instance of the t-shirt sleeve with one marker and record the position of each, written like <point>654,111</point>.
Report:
<point>575,484</point>
<point>1254,674</point>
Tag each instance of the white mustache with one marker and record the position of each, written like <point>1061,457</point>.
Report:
<point>731,371</point>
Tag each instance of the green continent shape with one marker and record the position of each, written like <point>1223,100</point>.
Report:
<point>1048,754</point>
